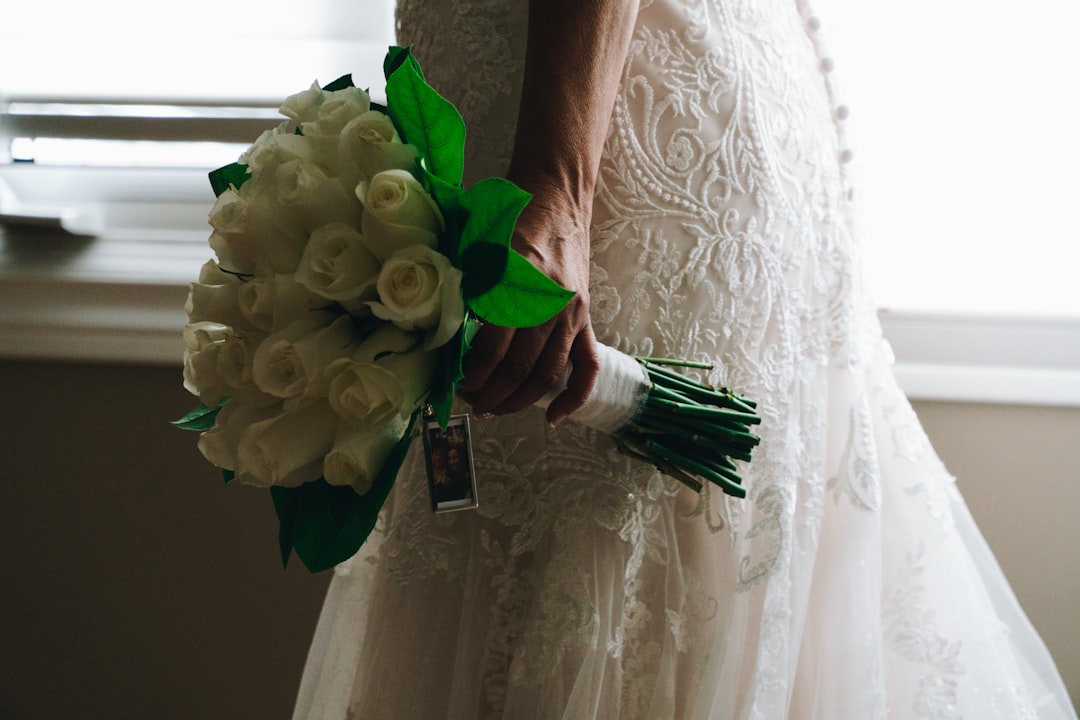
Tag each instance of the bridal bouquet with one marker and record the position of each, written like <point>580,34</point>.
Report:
<point>352,270</point>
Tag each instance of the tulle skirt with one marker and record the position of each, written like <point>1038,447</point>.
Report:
<point>636,598</point>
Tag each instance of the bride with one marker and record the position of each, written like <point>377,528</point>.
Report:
<point>689,184</point>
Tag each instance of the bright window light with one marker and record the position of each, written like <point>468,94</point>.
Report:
<point>964,123</point>
<point>125,153</point>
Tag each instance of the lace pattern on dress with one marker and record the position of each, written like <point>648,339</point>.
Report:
<point>587,585</point>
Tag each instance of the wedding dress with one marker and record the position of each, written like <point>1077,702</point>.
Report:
<point>850,584</point>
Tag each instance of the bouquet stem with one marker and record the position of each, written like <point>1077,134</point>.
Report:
<point>690,431</point>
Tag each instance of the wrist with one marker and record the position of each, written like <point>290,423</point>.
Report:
<point>556,188</point>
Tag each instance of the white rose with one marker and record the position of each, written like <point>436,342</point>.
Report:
<point>234,246</point>
<point>303,106</point>
<point>211,274</point>
<point>297,179</point>
<point>286,449</point>
<point>275,147</point>
<point>334,113</point>
<point>219,444</point>
<point>420,290</point>
<point>273,302</point>
<point>276,366</point>
<point>316,198</point>
<point>318,351</point>
<point>360,451</point>
<point>336,110</point>
<point>368,145</point>
<point>337,265</point>
<point>215,303</point>
<point>252,230</point>
<point>216,298</point>
<point>235,364</point>
<point>292,361</point>
<point>202,344</point>
<point>388,374</point>
<point>398,212</point>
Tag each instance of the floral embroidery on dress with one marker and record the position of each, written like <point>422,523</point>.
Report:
<point>914,636</point>
<point>686,262</point>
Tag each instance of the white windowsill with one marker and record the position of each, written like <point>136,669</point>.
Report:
<point>121,300</point>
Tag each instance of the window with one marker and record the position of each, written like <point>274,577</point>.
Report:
<point>111,114</point>
<point>961,118</point>
<point>963,121</point>
<point>963,114</point>
<point>182,91</point>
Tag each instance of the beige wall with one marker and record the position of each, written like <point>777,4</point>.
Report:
<point>1019,470</point>
<point>136,585</point>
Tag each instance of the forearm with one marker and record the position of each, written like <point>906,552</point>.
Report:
<point>574,62</point>
<point>576,51</point>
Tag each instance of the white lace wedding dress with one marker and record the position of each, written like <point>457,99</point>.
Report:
<point>850,584</point>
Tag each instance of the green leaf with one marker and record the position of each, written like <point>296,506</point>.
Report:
<point>427,120</point>
<point>525,296</point>
<point>493,205</point>
<point>232,175</point>
<point>200,419</point>
<point>483,266</point>
<point>343,82</point>
<point>326,524</point>
<point>286,506</point>
<point>441,397</point>
<point>394,57</point>
<point>447,196</point>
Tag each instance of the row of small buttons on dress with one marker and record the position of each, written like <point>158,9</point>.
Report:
<point>826,64</point>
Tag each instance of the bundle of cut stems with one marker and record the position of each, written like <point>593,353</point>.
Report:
<point>691,431</point>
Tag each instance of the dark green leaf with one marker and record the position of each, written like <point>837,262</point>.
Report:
<point>483,266</point>
<point>200,419</point>
<point>394,57</point>
<point>446,195</point>
<point>447,377</point>
<point>232,175</point>
<point>287,506</point>
<point>427,120</point>
<point>448,198</point>
<point>493,206</point>
<point>229,475</point>
<point>441,401</point>
<point>525,296</point>
<point>343,82</point>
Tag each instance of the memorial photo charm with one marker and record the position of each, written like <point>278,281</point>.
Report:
<point>451,477</point>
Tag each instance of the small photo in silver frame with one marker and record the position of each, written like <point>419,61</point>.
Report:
<point>451,476</point>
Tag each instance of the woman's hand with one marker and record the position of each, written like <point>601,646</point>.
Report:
<point>573,65</point>
<point>508,370</point>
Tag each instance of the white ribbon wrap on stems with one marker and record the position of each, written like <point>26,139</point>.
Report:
<point>618,396</point>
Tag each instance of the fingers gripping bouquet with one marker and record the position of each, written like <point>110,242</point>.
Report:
<point>352,270</point>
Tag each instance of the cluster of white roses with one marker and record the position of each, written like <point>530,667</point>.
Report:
<point>320,319</point>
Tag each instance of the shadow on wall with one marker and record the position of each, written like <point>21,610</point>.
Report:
<point>137,584</point>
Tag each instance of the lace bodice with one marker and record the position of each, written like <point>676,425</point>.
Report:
<point>721,227</point>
